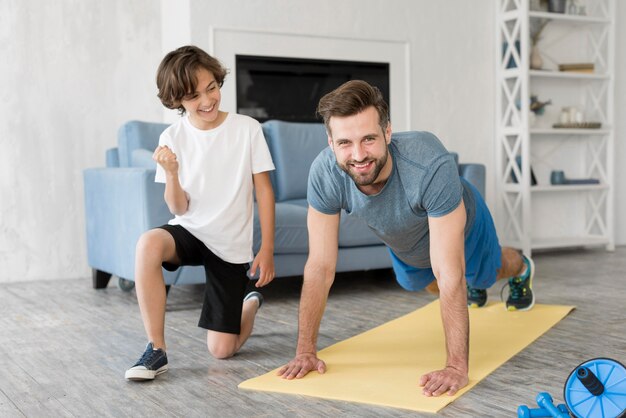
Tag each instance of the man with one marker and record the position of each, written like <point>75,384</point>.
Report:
<point>437,227</point>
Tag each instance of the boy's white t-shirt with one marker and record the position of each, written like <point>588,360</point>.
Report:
<point>215,169</point>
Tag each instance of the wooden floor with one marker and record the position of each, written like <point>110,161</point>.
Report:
<point>64,346</point>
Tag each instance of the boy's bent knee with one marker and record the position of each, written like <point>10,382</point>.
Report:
<point>222,345</point>
<point>222,350</point>
<point>155,243</point>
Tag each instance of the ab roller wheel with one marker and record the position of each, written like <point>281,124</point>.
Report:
<point>595,389</point>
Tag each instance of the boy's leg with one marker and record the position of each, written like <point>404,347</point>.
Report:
<point>226,316</point>
<point>223,345</point>
<point>153,248</point>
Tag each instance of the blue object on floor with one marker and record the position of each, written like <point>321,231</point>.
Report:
<point>597,388</point>
<point>547,408</point>
<point>594,389</point>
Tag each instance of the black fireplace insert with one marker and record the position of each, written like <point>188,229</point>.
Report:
<point>289,88</point>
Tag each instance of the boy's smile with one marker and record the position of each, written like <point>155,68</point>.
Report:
<point>203,104</point>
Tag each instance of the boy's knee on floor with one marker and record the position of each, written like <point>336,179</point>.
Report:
<point>221,352</point>
<point>221,349</point>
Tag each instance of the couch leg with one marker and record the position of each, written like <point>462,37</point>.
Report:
<point>100,279</point>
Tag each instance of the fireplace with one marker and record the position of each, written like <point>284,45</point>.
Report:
<point>289,88</point>
<point>228,43</point>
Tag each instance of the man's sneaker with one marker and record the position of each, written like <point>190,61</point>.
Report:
<point>476,298</point>
<point>152,363</point>
<point>521,296</point>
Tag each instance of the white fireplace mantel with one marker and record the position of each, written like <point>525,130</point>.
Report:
<point>225,43</point>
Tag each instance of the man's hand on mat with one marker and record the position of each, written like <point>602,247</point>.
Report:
<point>448,380</point>
<point>301,365</point>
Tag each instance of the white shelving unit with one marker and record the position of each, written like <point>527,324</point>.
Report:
<point>544,216</point>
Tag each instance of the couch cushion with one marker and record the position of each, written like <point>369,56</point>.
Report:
<point>136,135</point>
<point>354,232</point>
<point>291,235</point>
<point>293,146</point>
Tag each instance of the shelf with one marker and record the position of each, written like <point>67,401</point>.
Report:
<point>566,188</point>
<point>569,188</point>
<point>567,215</point>
<point>564,17</point>
<point>577,132</point>
<point>567,75</point>
<point>562,242</point>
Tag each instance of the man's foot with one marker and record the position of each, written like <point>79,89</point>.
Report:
<point>476,298</point>
<point>256,295</point>
<point>521,296</point>
<point>152,363</point>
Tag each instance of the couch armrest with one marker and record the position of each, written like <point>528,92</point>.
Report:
<point>112,157</point>
<point>475,174</point>
<point>120,204</point>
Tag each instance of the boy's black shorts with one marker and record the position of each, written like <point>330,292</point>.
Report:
<point>225,282</point>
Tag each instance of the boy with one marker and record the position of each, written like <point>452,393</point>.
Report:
<point>211,162</point>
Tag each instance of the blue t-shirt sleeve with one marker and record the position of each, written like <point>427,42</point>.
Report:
<point>442,189</point>
<point>323,192</point>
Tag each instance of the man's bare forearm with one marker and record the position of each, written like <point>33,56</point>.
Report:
<point>315,288</point>
<point>455,320</point>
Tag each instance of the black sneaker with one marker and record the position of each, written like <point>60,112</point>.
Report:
<point>521,296</point>
<point>255,295</point>
<point>152,363</point>
<point>476,298</point>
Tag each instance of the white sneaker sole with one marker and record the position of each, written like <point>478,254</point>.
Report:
<point>143,373</point>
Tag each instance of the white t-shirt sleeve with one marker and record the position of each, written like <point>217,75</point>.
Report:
<point>260,153</point>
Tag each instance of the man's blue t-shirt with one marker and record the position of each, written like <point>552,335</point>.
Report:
<point>424,182</point>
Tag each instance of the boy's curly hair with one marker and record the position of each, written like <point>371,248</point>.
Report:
<point>176,76</point>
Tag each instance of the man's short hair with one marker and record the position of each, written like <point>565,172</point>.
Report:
<point>176,76</point>
<point>351,98</point>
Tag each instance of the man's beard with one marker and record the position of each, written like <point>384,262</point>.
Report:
<point>370,178</point>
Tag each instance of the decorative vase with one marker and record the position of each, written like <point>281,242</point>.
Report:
<point>556,6</point>
<point>535,59</point>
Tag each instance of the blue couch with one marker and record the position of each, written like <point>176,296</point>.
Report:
<point>122,201</point>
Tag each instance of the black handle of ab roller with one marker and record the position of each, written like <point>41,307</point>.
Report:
<point>590,381</point>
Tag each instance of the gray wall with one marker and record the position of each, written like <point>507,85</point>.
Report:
<point>72,71</point>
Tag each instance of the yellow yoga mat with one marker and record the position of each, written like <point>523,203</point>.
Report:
<point>382,366</point>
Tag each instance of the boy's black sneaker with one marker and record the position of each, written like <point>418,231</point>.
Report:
<point>255,295</point>
<point>521,296</point>
<point>152,363</point>
<point>476,298</point>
